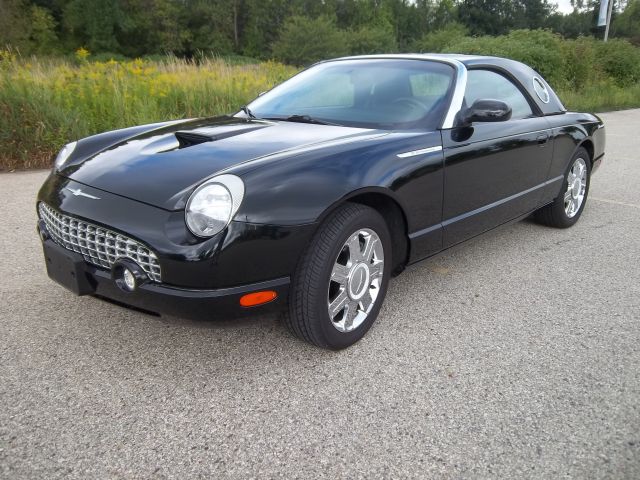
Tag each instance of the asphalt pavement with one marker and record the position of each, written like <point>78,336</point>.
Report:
<point>515,355</point>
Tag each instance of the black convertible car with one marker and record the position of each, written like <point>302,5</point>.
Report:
<point>317,192</point>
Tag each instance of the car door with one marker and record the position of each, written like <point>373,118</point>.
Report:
<point>493,172</point>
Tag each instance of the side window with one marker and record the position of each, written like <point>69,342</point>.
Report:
<point>488,84</point>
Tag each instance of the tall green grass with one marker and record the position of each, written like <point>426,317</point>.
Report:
<point>45,103</point>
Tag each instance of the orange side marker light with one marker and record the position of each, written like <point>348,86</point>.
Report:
<point>257,298</point>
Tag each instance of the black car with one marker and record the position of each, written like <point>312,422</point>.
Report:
<point>317,192</point>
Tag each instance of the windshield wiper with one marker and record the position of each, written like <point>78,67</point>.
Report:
<point>247,111</point>
<point>308,119</point>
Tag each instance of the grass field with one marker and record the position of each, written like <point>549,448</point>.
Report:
<point>44,103</point>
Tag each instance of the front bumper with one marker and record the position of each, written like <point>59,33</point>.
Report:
<point>71,271</point>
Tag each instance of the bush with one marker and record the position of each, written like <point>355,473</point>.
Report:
<point>620,60</point>
<point>437,40</point>
<point>304,41</point>
<point>368,40</point>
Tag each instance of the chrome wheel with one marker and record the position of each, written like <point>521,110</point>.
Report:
<point>356,278</point>
<point>576,187</point>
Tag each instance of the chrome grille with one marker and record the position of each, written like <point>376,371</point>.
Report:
<point>98,245</point>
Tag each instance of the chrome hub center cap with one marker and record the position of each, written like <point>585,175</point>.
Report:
<point>358,281</point>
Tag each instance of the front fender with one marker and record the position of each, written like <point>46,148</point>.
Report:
<point>299,190</point>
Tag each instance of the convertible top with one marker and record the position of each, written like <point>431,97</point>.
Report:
<point>517,70</point>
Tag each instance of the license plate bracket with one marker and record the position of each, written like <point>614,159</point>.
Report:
<point>67,268</point>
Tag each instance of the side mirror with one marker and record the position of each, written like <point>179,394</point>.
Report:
<point>484,110</point>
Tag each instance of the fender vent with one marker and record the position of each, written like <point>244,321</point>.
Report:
<point>188,139</point>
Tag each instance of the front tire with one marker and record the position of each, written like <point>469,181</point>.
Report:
<point>341,280</point>
<point>569,204</point>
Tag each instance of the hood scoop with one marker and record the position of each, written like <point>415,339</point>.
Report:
<point>189,138</point>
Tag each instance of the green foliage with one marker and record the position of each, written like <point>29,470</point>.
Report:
<point>304,41</point>
<point>628,23</point>
<point>95,23</point>
<point>43,38</point>
<point>368,40</point>
<point>620,61</point>
<point>437,40</point>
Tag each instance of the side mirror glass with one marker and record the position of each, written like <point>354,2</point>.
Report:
<point>484,110</point>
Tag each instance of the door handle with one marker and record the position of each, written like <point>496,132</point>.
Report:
<point>543,138</point>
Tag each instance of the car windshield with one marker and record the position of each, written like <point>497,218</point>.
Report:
<point>376,93</point>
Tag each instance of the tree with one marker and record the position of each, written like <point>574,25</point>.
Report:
<point>153,26</point>
<point>95,23</point>
<point>42,35</point>
<point>628,23</point>
<point>14,24</point>
<point>487,17</point>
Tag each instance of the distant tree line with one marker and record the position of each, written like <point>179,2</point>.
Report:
<point>294,31</point>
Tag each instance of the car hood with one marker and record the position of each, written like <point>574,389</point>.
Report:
<point>159,167</point>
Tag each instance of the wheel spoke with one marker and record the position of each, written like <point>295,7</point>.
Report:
<point>340,274</point>
<point>349,314</point>
<point>338,304</point>
<point>355,254</point>
<point>375,270</point>
<point>369,245</point>
<point>366,301</point>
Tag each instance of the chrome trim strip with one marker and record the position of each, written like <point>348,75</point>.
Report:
<point>425,231</point>
<point>484,208</point>
<point>414,153</point>
<point>458,95</point>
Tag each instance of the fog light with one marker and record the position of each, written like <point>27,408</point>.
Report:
<point>128,275</point>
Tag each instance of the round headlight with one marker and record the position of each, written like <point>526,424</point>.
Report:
<point>213,204</point>
<point>64,154</point>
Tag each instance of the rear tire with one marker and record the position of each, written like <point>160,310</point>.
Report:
<point>341,280</point>
<point>567,207</point>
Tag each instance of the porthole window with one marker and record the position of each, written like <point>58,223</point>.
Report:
<point>541,90</point>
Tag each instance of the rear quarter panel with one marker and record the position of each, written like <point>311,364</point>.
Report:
<point>569,131</point>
